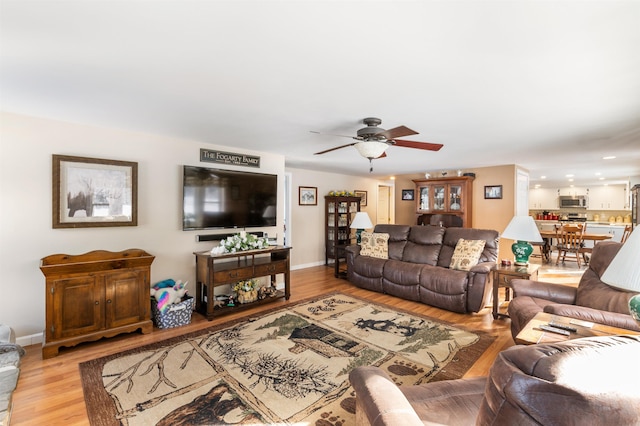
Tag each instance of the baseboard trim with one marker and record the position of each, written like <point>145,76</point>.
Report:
<point>34,339</point>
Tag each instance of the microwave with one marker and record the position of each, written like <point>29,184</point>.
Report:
<point>572,201</point>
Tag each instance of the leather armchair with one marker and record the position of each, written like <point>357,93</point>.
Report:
<point>592,300</point>
<point>583,381</point>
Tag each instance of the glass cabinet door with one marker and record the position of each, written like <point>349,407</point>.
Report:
<point>424,198</point>
<point>439,197</point>
<point>455,197</point>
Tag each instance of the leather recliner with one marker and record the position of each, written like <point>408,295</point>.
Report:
<point>593,300</point>
<point>590,381</point>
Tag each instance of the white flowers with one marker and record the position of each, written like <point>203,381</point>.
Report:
<point>241,242</point>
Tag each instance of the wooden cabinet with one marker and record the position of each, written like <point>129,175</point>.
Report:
<point>94,295</point>
<point>228,268</point>
<point>452,195</point>
<point>635,205</point>
<point>339,213</point>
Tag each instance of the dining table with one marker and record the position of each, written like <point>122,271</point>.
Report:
<point>548,236</point>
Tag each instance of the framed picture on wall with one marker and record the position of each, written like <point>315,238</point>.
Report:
<point>363,197</point>
<point>492,192</point>
<point>407,194</point>
<point>94,192</point>
<point>307,195</point>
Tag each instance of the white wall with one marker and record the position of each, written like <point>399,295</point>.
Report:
<point>307,222</point>
<point>26,234</point>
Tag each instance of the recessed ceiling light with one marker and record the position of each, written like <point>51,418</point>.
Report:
<point>569,175</point>
<point>537,185</point>
<point>601,178</point>
<point>543,177</point>
<point>571,180</point>
<point>598,173</point>
<point>610,157</point>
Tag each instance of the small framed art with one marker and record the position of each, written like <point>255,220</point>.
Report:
<point>408,194</point>
<point>363,197</point>
<point>307,195</point>
<point>493,192</point>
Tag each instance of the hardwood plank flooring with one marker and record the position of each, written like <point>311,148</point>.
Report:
<point>49,392</point>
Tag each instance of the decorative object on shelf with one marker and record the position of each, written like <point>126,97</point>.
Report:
<point>343,193</point>
<point>408,194</point>
<point>240,242</point>
<point>94,192</point>
<point>493,192</point>
<point>307,196</point>
<point>363,197</point>
<point>523,229</point>
<point>361,222</point>
<point>247,291</point>
<point>624,272</point>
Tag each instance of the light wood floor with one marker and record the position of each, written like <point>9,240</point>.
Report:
<point>49,391</point>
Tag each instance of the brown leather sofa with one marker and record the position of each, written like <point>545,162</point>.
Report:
<point>577,382</point>
<point>592,300</point>
<point>418,267</point>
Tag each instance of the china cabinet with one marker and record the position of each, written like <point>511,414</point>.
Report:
<point>339,213</point>
<point>446,195</point>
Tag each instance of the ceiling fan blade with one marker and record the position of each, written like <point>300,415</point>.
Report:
<point>397,132</point>
<point>418,145</point>
<point>384,154</point>
<point>333,149</point>
<point>330,134</point>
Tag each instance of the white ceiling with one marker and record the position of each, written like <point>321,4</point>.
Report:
<point>550,85</point>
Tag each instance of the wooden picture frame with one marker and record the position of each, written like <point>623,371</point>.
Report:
<point>408,195</point>
<point>94,192</point>
<point>493,192</point>
<point>363,197</point>
<point>307,196</point>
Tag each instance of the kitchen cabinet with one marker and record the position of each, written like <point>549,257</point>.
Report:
<point>453,195</point>
<point>609,197</point>
<point>615,230</point>
<point>339,213</point>
<point>95,295</point>
<point>543,199</point>
<point>635,205</point>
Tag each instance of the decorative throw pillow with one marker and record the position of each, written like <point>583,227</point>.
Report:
<point>466,254</point>
<point>374,244</point>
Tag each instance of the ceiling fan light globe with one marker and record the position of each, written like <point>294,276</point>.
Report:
<point>371,149</point>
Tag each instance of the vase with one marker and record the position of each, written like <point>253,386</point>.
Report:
<point>247,296</point>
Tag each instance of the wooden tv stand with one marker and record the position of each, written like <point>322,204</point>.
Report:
<point>222,269</point>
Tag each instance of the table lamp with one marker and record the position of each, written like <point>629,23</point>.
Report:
<point>524,230</point>
<point>624,272</point>
<point>361,222</point>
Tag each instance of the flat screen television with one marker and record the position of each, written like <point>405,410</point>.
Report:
<point>215,198</point>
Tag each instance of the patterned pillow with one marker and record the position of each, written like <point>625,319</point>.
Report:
<point>374,245</point>
<point>466,254</point>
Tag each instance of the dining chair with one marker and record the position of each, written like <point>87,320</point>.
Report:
<point>626,233</point>
<point>570,242</point>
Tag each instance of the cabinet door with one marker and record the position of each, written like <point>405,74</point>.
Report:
<point>74,307</point>
<point>126,297</point>
<point>439,197</point>
<point>424,202</point>
<point>455,198</point>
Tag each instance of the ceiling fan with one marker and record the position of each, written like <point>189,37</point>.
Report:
<point>372,141</point>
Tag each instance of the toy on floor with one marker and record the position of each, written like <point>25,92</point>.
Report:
<point>168,292</point>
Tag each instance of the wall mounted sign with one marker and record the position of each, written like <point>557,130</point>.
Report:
<point>232,158</point>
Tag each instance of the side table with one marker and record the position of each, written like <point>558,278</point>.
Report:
<point>502,277</point>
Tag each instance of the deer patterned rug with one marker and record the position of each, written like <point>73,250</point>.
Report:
<point>287,366</point>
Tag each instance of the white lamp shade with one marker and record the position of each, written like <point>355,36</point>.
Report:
<point>361,221</point>
<point>522,228</point>
<point>371,149</point>
<point>624,270</point>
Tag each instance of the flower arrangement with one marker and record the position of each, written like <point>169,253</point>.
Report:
<point>243,242</point>
<point>343,193</point>
<point>247,285</point>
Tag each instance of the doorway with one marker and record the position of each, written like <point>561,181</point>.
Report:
<point>384,211</point>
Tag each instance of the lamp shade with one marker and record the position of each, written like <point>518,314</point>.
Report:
<point>361,221</point>
<point>371,149</point>
<point>624,270</point>
<point>522,228</point>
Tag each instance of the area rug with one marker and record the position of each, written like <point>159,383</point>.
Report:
<point>287,366</point>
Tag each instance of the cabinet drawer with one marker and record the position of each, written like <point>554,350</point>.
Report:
<point>271,268</point>
<point>233,275</point>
